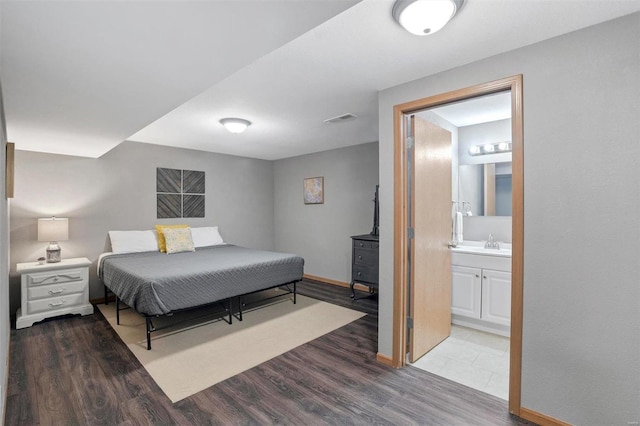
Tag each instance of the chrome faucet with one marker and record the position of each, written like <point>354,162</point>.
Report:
<point>491,243</point>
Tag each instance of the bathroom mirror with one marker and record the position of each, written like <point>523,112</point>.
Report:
<point>486,187</point>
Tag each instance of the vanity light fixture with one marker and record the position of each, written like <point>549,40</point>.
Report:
<point>474,150</point>
<point>235,125</point>
<point>422,17</point>
<point>490,148</point>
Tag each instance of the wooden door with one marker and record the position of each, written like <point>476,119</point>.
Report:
<point>430,295</point>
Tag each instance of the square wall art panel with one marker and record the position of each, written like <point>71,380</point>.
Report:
<point>192,205</point>
<point>179,193</point>
<point>168,180</point>
<point>169,206</point>
<point>192,182</point>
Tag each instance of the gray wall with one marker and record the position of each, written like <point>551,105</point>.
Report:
<point>4,268</point>
<point>582,199</point>
<point>118,192</point>
<point>320,232</point>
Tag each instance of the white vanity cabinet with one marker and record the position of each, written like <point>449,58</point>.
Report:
<point>496,296</point>
<point>466,291</point>
<point>481,291</point>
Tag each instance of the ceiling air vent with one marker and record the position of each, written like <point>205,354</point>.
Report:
<point>340,118</point>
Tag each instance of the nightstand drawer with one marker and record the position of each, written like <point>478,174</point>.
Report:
<point>365,257</point>
<point>365,244</point>
<point>364,274</point>
<point>55,277</point>
<point>55,290</point>
<point>54,303</point>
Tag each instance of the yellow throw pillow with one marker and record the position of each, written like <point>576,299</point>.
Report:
<point>162,242</point>
<point>178,240</point>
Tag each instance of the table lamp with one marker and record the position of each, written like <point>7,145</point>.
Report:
<point>53,229</point>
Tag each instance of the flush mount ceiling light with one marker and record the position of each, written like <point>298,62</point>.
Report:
<point>422,17</point>
<point>235,125</point>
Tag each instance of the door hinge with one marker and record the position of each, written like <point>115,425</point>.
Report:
<point>410,141</point>
<point>410,233</point>
<point>409,323</point>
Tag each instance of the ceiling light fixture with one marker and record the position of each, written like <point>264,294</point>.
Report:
<point>422,17</point>
<point>235,125</point>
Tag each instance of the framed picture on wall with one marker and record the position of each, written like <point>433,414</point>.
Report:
<point>313,190</point>
<point>9,169</point>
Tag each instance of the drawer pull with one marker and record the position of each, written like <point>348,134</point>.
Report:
<point>477,276</point>
<point>359,273</point>
<point>45,279</point>
<point>54,304</point>
<point>359,257</point>
<point>58,291</point>
<point>361,244</point>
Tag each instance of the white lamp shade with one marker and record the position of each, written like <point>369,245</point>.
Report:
<point>235,125</point>
<point>422,17</point>
<point>53,229</point>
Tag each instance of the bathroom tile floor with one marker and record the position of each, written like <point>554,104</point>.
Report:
<point>473,358</point>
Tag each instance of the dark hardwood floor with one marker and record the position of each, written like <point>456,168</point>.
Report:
<point>76,371</point>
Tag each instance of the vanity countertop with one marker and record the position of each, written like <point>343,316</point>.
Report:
<point>477,247</point>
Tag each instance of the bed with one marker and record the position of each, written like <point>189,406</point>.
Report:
<point>157,284</point>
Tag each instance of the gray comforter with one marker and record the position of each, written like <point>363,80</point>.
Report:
<point>155,283</point>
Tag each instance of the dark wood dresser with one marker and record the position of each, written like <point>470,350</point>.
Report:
<point>364,262</point>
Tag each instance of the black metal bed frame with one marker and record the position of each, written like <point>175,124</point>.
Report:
<point>150,328</point>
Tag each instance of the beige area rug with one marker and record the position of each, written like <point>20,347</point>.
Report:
<point>189,357</point>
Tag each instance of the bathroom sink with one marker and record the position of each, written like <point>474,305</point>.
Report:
<point>477,247</point>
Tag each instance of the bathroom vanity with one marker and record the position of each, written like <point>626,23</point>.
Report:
<point>481,287</point>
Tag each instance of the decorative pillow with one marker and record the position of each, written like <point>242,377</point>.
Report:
<point>162,245</point>
<point>133,241</point>
<point>178,240</point>
<point>206,236</point>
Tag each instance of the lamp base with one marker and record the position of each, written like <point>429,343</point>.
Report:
<point>53,253</point>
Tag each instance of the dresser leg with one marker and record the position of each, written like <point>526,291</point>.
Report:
<point>353,293</point>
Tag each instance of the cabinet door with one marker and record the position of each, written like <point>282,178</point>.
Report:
<point>496,296</point>
<point>465,291</point>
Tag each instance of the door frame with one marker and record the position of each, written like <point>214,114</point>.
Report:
<point>400,279</point>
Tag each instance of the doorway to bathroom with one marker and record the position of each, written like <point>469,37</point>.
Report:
<point>474,350</point>
<point>423,235</point>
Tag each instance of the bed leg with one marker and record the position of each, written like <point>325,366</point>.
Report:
<point>117,310</point>
<point>149,325</point>
<point>230,310</point>
<point>106,301</point>
<point>294,292</point>
<point>240,307</point>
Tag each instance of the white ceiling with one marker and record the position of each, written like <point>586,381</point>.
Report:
<point>478,110</point>
<point>79,77</point>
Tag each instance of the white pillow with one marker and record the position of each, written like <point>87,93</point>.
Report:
<point>206,236</point>
<point>133,241</point>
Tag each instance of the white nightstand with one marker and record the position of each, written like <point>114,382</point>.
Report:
<point>53,289</point>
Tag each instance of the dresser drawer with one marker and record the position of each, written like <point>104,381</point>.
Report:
<point>54,303</point>
<point>365,244</point>
<point>364,274</point>
<point>63,289</point>
<point>55,277</point>
<point>365,257</point>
